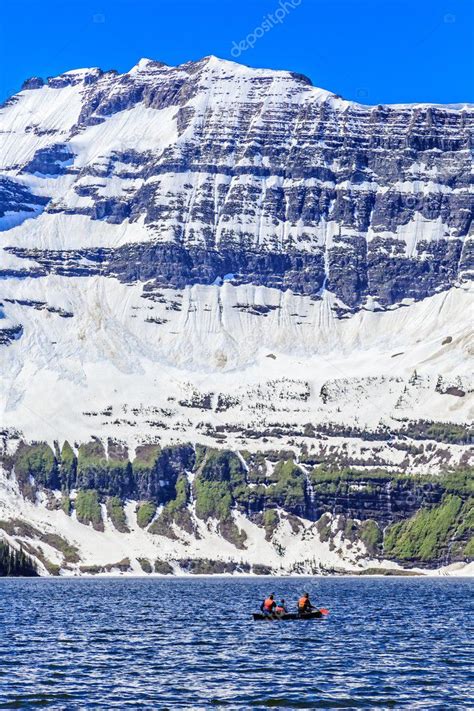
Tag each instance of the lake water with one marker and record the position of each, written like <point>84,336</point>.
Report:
<point>190,643</point>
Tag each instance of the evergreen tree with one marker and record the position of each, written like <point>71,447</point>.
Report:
<point>15,562</point>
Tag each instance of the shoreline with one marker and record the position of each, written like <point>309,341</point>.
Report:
<point>246,576</point>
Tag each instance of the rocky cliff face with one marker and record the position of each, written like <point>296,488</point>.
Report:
<point>211,257</point>
<point>223,169</point>
<point>260,507</point>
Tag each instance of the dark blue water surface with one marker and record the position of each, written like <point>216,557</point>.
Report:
<point>190,643</point>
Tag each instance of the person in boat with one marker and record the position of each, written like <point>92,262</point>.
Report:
<point>280,608</point>
<point>304,604</point>
<point>268,605</point>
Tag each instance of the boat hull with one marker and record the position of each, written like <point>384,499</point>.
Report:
<point>316,615</point>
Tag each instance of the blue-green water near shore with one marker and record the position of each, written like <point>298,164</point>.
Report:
<point>190,643</point>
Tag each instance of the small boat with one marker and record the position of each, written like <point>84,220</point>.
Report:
<point>315,615</point>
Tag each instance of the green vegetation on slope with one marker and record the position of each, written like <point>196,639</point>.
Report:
<point>371,536</point>
<point>175,511</point>
<point>88,509</point>
<point>69,551</point>
<point>367,501</point>
<point>270,522</point>
<point>163,567</point>
<point>289,489</point>
<point>219,482</point>
<point>66,504</point>
<point>145,513</point>
<point>448,432</point>
<point>213,499</point>
<point>425,536</point>
<point>220,473</point>
<point>182,495</point>
<point>112,477</point>
<point>145,565</point>
<point>36,461</point>
<point>117,514</point>
<point>68,468</point>
<point>146,455</point>
<point>324,527</point>
<point>284,486</point>
<point>257,467</point>
<point>459,482</point>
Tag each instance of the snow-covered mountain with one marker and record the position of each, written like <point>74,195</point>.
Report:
<point>230,258</point>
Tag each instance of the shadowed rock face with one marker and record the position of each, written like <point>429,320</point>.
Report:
<point>10,334</point>
<point>50,161</point>
<point>16,198</point>
<point>258,174</point>
<point>352,271</point>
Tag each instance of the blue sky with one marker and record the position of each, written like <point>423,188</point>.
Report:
<point>372,52</point>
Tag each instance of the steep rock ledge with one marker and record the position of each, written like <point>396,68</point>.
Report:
<point>413,520</point>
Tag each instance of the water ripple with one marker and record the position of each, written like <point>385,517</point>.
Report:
<point>191,644</point>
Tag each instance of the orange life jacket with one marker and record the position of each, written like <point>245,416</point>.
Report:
<point>302,603</point>
<point>269,604</point>
<point>279,609</point>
